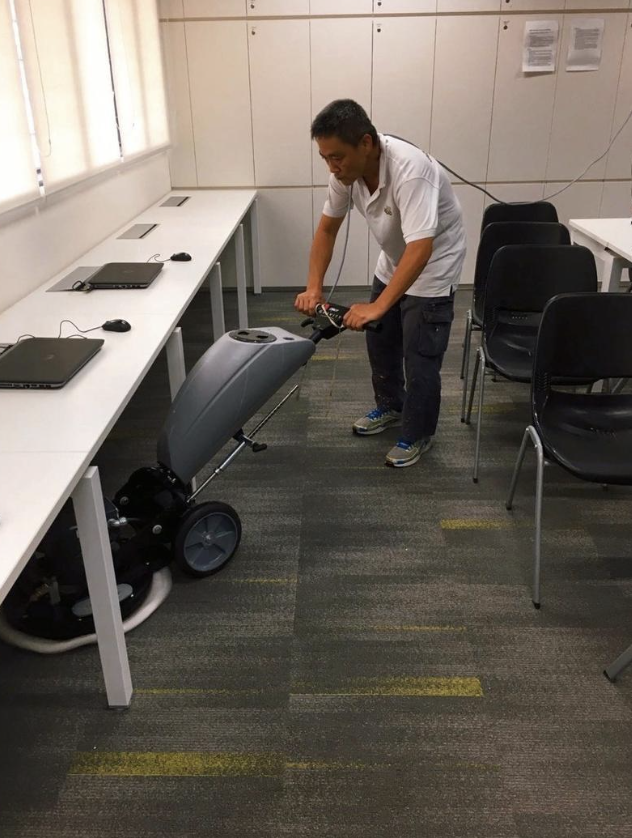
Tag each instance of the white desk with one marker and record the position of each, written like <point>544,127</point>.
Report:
<point>48,438</point>
<point>610,239</point>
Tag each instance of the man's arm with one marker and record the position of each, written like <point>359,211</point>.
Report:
<point>319,259</point>
<point>413,261</point>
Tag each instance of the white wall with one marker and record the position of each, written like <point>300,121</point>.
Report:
<point>42,241</point>
<point>445,74</point>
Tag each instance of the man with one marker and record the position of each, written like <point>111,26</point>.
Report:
<point>413,213</point>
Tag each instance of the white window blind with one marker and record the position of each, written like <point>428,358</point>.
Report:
<point>18,177</point>
<point>64,43</point>
<point>134,35</point>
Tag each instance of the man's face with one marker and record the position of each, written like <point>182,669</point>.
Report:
<point>346,162</point>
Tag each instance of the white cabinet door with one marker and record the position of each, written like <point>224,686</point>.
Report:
<point>341,7</point>
<point>403,57</point>
<point>285,236</point>
<point>582,200</point>
<point>523,110</point>
<point>170,8</point>
<point>471,201</point>
<point>616,201</point>
<point>214,8</point>
<point>584,107</point>
<point>465,6</point>
<point>356,270</point>
<point>532,5</point>
<point>592,5</point>
<point>220,102</point>
<point>280,84</point>
<point>619,155</point>
<point>395,7</point>
<point>295,8</point>
<point>182,153</point>
<point>462,113</point>
<point>336,44</point>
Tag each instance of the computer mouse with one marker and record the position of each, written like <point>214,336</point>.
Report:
<point>181,257</point>
<point>116,326</point>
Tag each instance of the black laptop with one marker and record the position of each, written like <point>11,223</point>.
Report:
<point>125,275</point>
<point>45,363</point>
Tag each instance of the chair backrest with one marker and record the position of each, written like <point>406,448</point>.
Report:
<point>582,336</point>
<point>524,277</point>
<point>502,233</point>
<point>536,211</point>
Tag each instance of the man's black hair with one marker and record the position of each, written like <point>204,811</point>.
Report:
<point>346,120</point>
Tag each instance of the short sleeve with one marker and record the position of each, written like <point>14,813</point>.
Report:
<point>337,202</point>
<point>418,204</point>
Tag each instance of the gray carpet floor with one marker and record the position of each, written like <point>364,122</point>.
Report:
<point>370,663</point>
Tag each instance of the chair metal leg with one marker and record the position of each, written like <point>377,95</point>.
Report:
<point>466,342</point>
<point>468,415</point>
<point>479,418</point>
<point>615,669</point>
<point>537,548</point>
<point>465,364</point>
<point>531,433</point>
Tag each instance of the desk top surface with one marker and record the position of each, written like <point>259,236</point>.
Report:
<point>613,233</point>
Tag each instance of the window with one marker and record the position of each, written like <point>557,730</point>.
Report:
<point>81,89</point>
<point>65,49</point>
<point>18,174</point>
<point>134,37</point>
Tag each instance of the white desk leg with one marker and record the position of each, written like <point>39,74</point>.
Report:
<point>217,301</point>
<point>175,361</point>
<point>611,272</point>
<point>97,559</point>
<point>254,239</point>
<point>242,300</point>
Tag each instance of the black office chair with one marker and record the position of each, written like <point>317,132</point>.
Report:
<point>582,336</point>
<point>494,236</point>
<point>541,211</point>
<point>522,279</point>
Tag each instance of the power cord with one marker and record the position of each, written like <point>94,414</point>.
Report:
<point>521,203</point>
<point>68,337</point>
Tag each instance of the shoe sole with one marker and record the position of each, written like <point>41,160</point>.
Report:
<point>361,432</point>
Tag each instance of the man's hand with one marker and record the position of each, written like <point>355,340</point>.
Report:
<point>360,314</point>
<point>307,301</point>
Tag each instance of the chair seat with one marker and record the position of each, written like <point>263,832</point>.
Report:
<point>569,420</point>
<point>510,350</point>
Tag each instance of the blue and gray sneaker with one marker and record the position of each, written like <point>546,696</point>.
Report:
<point>376,421</point>
<point>407,453</point>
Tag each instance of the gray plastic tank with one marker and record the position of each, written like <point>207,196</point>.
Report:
<point>227,386</point>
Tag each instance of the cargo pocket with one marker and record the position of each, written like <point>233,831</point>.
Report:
<point>435,329</point>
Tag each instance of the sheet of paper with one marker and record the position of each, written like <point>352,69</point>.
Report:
<point>584,50</point>
<point>540,46</point>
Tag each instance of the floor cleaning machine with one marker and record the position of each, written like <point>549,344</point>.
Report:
<point>155,518</point>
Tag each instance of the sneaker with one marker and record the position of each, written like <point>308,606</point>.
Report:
<point>376,421</point>
<point>407,453</point>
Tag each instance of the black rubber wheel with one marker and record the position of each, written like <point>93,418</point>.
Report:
<point>207,538</point>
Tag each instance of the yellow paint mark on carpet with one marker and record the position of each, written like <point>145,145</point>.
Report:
<point>417,687</point>
<point>176,764</point>
<point>473,524</point>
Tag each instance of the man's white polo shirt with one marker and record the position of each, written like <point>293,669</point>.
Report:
<point>414,200</point>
